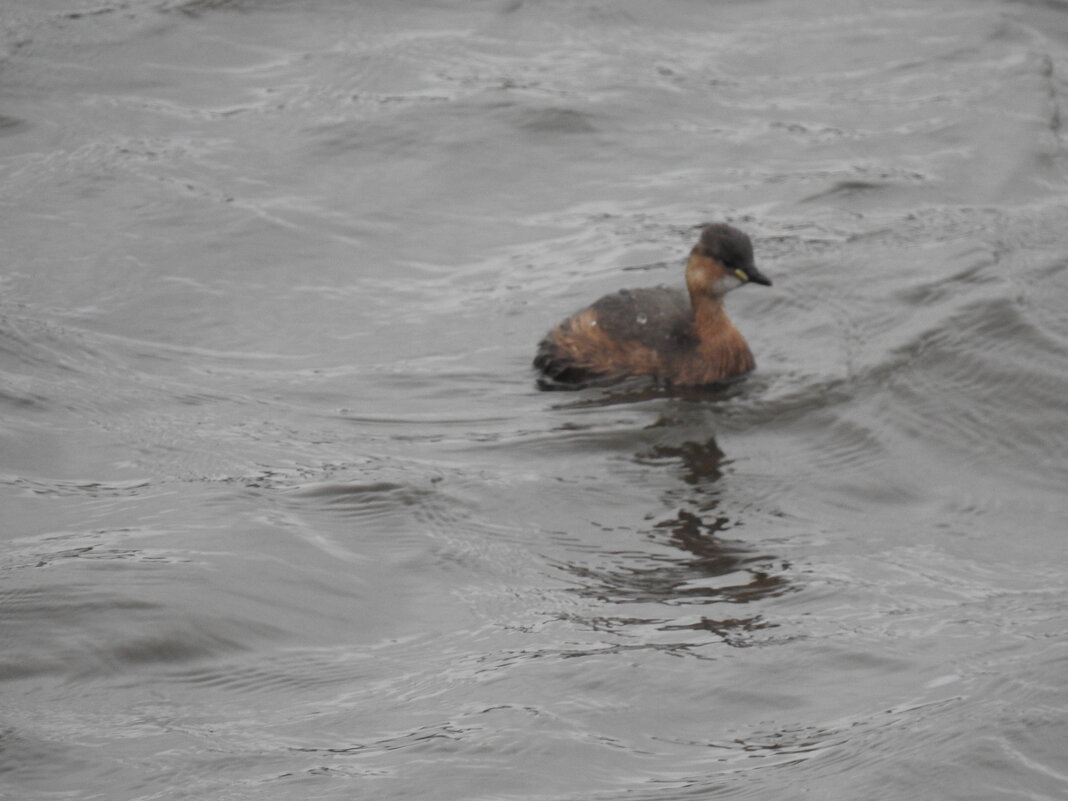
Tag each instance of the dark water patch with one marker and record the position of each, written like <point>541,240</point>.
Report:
<point>47,551</point>
<point>33,344</point>
<point>90,647</point>
<point>11,125</point>
<point>197,8</point>
<point>83,489</point>
<point>301,671</point>
<point>559,121</point>
<point>106,625</point>
<point>28,608</point>
<point>851,190</point>
<point>364,498</point>
<point>26,756</point>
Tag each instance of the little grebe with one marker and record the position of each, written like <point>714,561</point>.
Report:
<point>660,332</point>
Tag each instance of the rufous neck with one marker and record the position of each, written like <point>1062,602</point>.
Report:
<point>707,309</point>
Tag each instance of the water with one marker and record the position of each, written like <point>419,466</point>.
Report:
<point>285,516</point>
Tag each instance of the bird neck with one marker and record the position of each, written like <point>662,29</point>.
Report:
<point>709,314</point>
<point>718,341</point>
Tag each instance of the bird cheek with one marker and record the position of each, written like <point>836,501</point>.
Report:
<point>726,283</point>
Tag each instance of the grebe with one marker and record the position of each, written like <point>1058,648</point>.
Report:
<point>660,332</point>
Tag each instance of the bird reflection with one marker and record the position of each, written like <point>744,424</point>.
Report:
<point>691,561</point>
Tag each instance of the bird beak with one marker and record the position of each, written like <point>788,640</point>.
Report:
<point>752,274</point>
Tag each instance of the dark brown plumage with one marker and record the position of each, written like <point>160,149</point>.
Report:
<point>683,339</point>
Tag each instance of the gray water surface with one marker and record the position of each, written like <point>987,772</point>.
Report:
<point>283,514</point>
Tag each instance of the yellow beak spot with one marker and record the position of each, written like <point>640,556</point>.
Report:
<point>741,274</point>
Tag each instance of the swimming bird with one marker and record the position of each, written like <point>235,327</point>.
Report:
<point>677,338</point>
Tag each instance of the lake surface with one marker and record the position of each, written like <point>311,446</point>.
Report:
<point>283,514</point>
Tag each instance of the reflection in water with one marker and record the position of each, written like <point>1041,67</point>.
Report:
<point>635,389</point>
<point>701,567</point>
